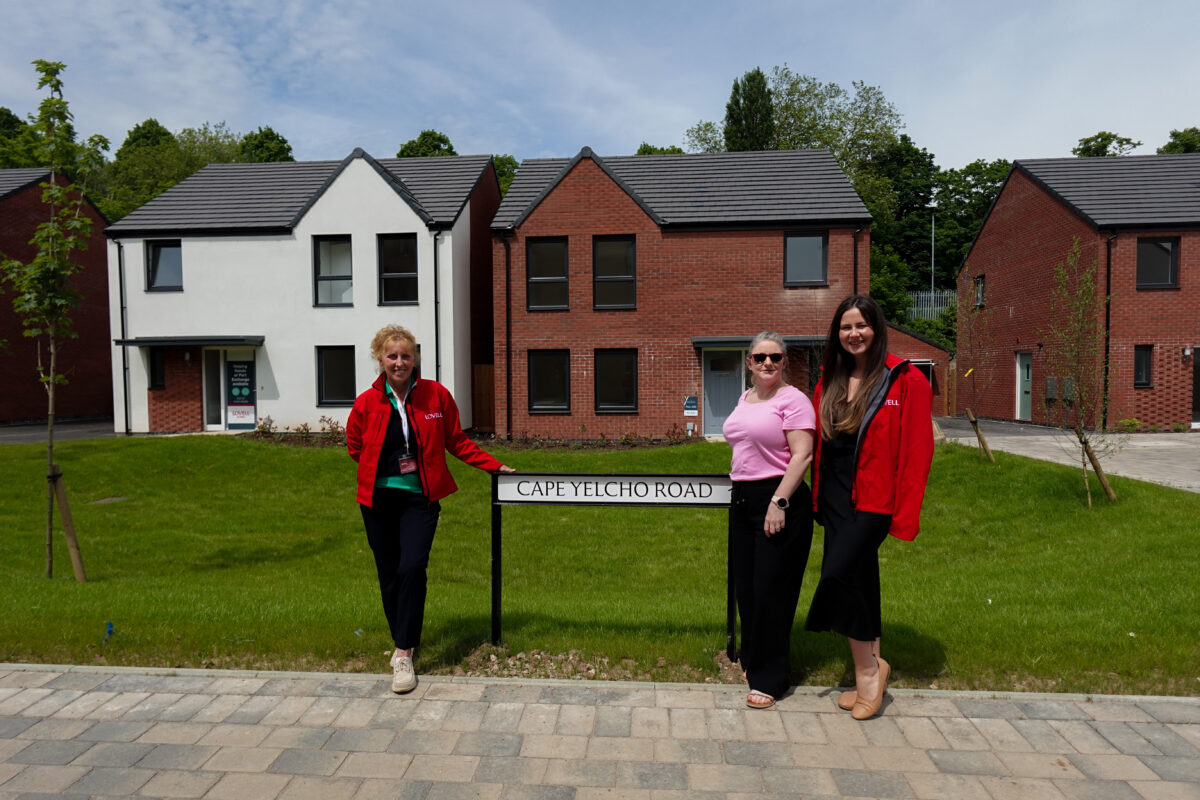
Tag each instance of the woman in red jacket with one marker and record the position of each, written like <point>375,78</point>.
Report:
<point>874,445</point>
<point>399,431</point>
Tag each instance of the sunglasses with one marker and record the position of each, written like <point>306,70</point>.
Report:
<point>761,357</point>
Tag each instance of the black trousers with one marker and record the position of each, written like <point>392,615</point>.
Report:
<point>400,527</point>
<point>768,571</point>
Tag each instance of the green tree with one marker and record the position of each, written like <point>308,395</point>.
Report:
<point>147,133</point>
<point>749,116</point>
<point>1104,143</point>
<point>44,295</point>
<point>506,170</point>
<point>263,146</point>
<point>647,149</point>
<point>427,143</point>
<point>905,175</point>
<point>704,137</point>
<point>10,124</point>
<point>889,282</point>
<point>1184,141</point>
<point>18,142</point>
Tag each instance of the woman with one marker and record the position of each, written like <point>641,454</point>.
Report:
<point>771,432</point>
<point>872,459</point>
<point>399,431</point>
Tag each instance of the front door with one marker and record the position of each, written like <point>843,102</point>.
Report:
<point>1025,386</point>
<point>723,383</point>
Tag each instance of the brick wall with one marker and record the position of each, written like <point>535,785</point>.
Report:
<point>84,360</point>
<point>179,406</point>
<point>689,284</point>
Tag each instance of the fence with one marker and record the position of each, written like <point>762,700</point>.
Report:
<point>929,305</point>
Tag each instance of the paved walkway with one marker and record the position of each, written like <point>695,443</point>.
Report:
<point>1169,459</point>
<point>111,732</point>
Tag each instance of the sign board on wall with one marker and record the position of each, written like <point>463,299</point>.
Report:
<point>691,406</point>
<point>240,397</point>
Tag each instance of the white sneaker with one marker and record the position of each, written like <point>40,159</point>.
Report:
<point>404,678</point>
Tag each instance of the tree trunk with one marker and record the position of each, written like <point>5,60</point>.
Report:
<point>1091,455</point>
<point>983,445</point>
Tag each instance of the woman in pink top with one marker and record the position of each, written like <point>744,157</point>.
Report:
<point>771,432</point>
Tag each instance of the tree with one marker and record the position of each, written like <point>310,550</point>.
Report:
<point>1104,143</point>
<point>427,143</point>
<point>704,137</point>
<point>263,146</point>
<point>975,352</point>
<point>749,116</point>
<point>1184,141</point>
<point>506,170</point>
<point>889,282</point>
<point>964,197</point>
<point>147,133</point>
<point>647,149</point>
<point>10,124</point>
<point>18,143</point>
<point>906,175</point>
<point>43,292</point>
<point>1074,358</point>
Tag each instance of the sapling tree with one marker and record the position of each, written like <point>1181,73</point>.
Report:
<point>42,288</point>
<point>976,357</point>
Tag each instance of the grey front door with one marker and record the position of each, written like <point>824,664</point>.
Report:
<point>1024,386</point>
<point>722,386</point>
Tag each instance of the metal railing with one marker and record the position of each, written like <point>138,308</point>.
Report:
<point>928,305</point>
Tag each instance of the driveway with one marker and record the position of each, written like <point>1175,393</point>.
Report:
<point>21,434</point>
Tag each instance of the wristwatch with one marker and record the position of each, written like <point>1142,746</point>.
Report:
<point>782,502</point>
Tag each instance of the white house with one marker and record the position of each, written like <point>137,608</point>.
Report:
<point>252,290</point>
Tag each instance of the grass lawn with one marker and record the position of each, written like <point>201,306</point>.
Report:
<point>229,552</point>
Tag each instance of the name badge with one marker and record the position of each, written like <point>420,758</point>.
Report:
<point>408,465</point>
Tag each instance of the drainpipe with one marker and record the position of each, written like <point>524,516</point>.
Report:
<point>124,335</point>
<point>507,334</point>
<point>857,231</point>
<point>1108,245</point>
<point>437,312</point>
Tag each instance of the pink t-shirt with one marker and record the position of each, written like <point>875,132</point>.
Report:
<point>756,433</point>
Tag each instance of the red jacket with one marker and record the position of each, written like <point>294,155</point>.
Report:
<point>894,448</point>
<point>432,419</point>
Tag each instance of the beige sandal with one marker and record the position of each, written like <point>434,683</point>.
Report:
<point>757,699</point>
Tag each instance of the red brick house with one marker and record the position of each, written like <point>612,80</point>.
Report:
<point>84,360</point>
<point>1138,220</point>
<point>628,288</point>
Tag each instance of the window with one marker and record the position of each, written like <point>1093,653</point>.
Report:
<point>335,376</point>
<point>164,266</point>
<point>158,368</point>
<point>550,381</point>
<point>1157,263</point>
<point>397,269</point>
<point>546,274</point>
<point>332,271</point>
<point>1143,355</point>
<point>613,272</point>
<point>616,381</point>
<point>804,260</point>
<point>925,368</point>
<point>980,287</point>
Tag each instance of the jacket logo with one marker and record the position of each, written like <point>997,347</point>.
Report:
<point>892,403</point>
<point>434,415</point>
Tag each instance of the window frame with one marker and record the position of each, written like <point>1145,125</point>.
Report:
<point>531,281</point>
<point>1143,351</point>
<point>156,368</point>
<point>153,246</point>
<point>630,279</point>
<point>321,351</point>
<point>613,409</point>
<point>318,279</point>
<point>824,237</point>
<point>980,285</point>
<point>1173,282</point>
<point>532,370</point>
<point>380,239</point>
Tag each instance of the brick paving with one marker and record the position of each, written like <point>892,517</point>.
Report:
<point>75,732</point>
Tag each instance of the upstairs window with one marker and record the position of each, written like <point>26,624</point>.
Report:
<point>804,260</point>
<point>546,274</point>
<point>616,381</point>
<point>1143,355</point>
<point>164,266</point>
<point>1158,263</point>
<point>332,271</point>
<point>980,291</point>
<point>397,269</point>
<point>614,282</point>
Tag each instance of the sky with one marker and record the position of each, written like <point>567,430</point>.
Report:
<point>537,78</point>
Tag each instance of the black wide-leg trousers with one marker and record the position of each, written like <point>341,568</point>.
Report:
<point>768,571</point>
<point>400,527</point>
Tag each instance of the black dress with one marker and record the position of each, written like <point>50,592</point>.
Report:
<point>846,600</point>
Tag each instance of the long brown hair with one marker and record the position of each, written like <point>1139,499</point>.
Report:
<point>837,414</point>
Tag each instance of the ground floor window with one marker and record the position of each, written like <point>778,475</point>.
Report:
<point>335,376</point>
<point>550,381</point>
<point>158,368</point>
<point>1142,357</point>
<point>616,381</point>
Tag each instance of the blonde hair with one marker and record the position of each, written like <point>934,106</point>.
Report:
<point>394,333</point>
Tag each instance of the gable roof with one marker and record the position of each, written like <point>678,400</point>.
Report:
<point>14,180</point>
<point>771,188</point>
<point>1124,191</point>
<point>273,198</point>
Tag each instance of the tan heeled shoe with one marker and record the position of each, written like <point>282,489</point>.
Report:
<point>865,709</point>
<point>847,699</point>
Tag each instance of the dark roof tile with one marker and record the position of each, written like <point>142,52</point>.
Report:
<point>13,180</point>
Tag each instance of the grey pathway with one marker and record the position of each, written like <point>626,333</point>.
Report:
<point>1169,459</point>
<point>111,732</point>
